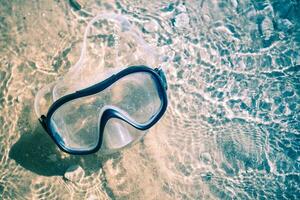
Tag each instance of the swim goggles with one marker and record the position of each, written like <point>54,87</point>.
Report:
<point>110,114</point>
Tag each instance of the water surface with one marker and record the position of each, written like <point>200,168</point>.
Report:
<point>232,126</point>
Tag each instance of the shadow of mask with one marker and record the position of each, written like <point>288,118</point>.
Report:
<point>36,151</point>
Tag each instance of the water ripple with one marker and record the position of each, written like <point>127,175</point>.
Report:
<point>231,130</point>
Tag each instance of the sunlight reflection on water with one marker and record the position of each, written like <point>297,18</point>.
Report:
<point>232,125</point>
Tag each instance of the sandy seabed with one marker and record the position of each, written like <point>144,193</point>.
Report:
<point>231,130</point>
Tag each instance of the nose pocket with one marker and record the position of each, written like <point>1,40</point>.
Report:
<point>116,134</point>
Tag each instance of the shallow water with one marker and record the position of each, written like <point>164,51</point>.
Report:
<point>232,126</point>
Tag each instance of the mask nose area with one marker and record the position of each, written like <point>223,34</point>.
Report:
<point>116,134</point>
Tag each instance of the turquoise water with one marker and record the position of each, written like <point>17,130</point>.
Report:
<point>232,126</point>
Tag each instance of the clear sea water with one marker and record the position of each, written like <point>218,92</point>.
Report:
<point>232,129</point>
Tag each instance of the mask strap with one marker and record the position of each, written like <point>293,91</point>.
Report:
<point>116,17</point>
<point>124,23</point>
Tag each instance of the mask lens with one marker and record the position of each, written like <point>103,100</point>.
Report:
<point>136,94</point>
<point>76,123</point>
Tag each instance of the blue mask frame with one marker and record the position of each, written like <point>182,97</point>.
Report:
<point>109,113</point>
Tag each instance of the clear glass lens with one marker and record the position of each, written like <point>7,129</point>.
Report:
<point>77,122</point>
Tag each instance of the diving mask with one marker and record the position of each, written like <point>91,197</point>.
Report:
<point>88,114</point>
